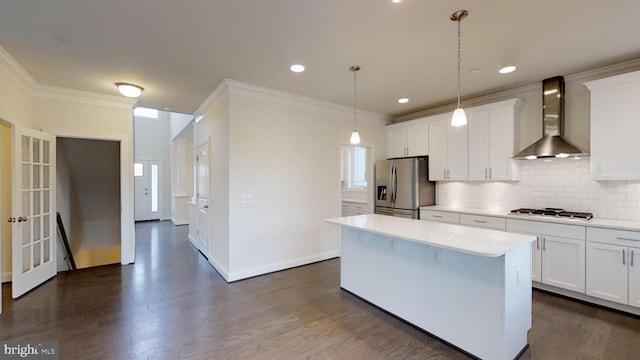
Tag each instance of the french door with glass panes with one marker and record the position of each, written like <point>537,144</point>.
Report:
<point>147,190</point>
<point>33,209</point>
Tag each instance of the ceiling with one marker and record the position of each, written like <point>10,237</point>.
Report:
<point>179,51</point>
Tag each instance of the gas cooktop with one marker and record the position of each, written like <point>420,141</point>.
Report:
<point>553,213</point>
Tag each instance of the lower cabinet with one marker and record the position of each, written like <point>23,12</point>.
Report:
<point>563,262</point>
<point>613,268</point>
<point>558,254</point>
<point>441,216</point>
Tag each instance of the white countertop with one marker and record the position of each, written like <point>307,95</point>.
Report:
<point>595,222</point>
<point>475,241</point>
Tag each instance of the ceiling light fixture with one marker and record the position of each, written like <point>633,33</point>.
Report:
<point>459,118</point>
<point>355,137</point>
<point>297,68</point>
<point>403,100</point>
<point>129,90</point>
<point>507,69</point>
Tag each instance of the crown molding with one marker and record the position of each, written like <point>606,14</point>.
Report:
<point>22,77</point>
<point>218,93</point>
<point>570,80</point>
<point>11,66</point>
<point>83,97</point>
<point>245,89</point>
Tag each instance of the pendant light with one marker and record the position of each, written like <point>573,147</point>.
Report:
<point>355,137</point>
<point>459,118</point>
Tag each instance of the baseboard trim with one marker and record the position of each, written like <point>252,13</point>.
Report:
<point>6,277</point>
<point>192,240</point>
<point>283,265</point>
<point>223,271</point>
<point>180,222</point>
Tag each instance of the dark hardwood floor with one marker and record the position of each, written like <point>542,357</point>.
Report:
<point>172,305</point>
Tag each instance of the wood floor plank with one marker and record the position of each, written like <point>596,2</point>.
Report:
<point>171,304</point>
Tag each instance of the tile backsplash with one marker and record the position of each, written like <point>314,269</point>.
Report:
<point>561,183</point>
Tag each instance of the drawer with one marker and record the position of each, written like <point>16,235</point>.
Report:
<point>544,228</point>
<point>490,222</point>
<point>442,216</point>
<point>614,237</point>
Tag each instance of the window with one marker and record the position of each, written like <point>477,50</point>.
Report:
<point>138,169</point>
<point>154,187</point>
<point>146,112</point>
<point>357,175</point>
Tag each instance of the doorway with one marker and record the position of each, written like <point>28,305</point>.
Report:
<point>202,198</point>
<point>147,190</point>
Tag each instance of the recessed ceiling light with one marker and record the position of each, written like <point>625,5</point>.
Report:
<point>396,1</point>
<point>507,69</point>
<point>475,70</point>
<point>59,38</point>
<point>297,68</point>
<point>403,100</point>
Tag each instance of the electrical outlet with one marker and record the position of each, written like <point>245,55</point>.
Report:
<point>247,199</point>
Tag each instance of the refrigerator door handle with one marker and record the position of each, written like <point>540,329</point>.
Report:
<point>394,183</point>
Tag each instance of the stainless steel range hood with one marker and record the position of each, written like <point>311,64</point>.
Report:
<point>552,143</point>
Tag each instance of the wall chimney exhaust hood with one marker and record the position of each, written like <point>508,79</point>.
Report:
<point>552,143</point>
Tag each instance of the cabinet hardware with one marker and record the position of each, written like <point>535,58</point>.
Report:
<point>486,173</point>
<point>480,221</point>
<point>537,242</point>
<point>437,216</point>
<point>624,255</point>
<point>544,244</point>
<point>490,173</point>
<point>631,261</point>
<point>624,238</point>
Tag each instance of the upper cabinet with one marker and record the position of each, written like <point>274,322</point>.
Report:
<point>492,141</point>
<point>448,147</point>
<point>408,139</point>
<point>615,111</point>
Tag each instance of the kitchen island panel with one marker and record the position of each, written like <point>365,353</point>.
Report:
<point>480,304</point>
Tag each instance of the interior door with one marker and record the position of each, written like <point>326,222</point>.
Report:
<point>33,209</point>
<point>202,169</point>
<point>147,190</point>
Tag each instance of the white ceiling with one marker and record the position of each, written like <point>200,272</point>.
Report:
<point>181,50</point>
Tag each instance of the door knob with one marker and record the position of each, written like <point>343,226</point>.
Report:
<point>22,218</point>
<point>206,206</point>
<point>11,219</point>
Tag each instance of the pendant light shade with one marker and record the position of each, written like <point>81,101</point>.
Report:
<point>355,137</point>
<point>459,118</point>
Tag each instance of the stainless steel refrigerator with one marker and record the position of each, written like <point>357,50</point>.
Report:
<point>402,186</point>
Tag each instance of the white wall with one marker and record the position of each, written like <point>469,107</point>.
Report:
<point>152,143</point>
<point>284,151</point>
<point>177,123</point>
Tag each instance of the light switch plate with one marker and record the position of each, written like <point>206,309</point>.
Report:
<point>247,199</point>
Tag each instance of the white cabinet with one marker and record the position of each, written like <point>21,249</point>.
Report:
<point>448,149</point>
<point>353,208</point>
<point>558,254</point>
<point>492,141</point>
<point>613,265</point>
<point>615,111</point>
<point>441,216</point>
<point>408,139</point>
<point>563,262</point>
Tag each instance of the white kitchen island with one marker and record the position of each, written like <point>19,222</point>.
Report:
<point>470,287</point>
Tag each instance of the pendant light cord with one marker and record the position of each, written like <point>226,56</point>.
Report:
<point>355,99</point>
<point>459,63</point>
